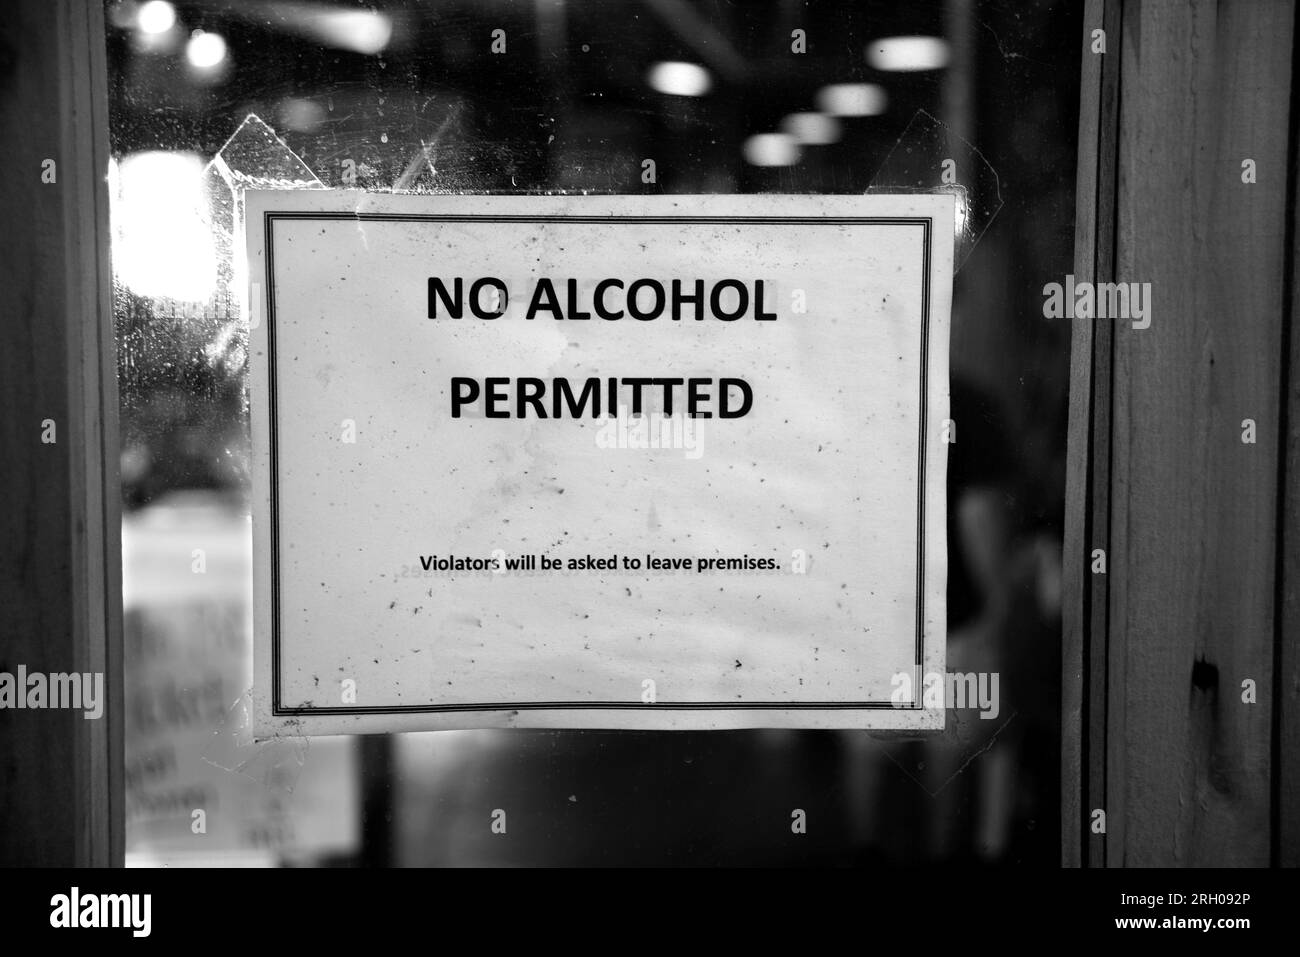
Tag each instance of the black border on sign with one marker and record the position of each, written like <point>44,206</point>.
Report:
<point>277,709</point>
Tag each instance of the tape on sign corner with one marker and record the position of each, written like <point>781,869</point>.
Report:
<point>930,158</point>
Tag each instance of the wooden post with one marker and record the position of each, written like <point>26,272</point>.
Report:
<point>59,537</point>
<point>1286,741</point>
<point>1180,443</point>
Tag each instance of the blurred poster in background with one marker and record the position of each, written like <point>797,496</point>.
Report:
<point>199,790</point>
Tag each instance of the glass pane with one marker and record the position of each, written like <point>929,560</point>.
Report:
<point>543,96</point>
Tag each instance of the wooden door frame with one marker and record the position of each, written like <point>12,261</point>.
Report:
<point>1153,677</point>
<point>60,547</point>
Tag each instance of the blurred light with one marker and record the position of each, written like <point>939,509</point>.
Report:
<point>962,207</point>
<point>361,31</point>
<point>162,243</point>
<point>301,116</point>
<point>907,54</point>
<point>852,99</point>
<point>205,50</point>
<point>771,149</point>
<point>357,30</point>
<point>680,79</point>
<point>812,129</point>
<point>123,14</point>
<point>156,16</point>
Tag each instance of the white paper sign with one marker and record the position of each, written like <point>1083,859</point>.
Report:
<point>459,521</point>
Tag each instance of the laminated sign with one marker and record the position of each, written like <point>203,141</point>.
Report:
<point>598,462</point>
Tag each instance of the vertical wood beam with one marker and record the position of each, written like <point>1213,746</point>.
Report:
<point>60,584</point>
<point>1286,699</point>
<point>1199,591</point>
<point>1087,492</point>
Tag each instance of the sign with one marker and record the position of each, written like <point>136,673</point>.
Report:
<point>598,462</point>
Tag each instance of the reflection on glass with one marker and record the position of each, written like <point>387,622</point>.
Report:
<point>974,96</point>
